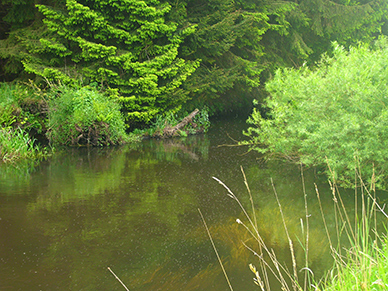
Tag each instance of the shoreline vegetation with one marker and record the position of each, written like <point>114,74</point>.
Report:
<point>333,114</point>
<point>107,73</point>
<point>34,121</point>
<point>16,145</point>
<point>359,250</point>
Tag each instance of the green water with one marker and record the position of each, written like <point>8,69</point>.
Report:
<point>135,209</point>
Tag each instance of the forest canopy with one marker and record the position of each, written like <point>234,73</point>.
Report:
<point>134,64</point>
<point>165,56</point>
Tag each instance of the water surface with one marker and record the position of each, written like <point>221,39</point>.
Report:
<point>135,209</point>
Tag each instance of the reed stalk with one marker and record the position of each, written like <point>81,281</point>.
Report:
<point>118,279</point>
<point>354,267</point>
<point>215,250</point>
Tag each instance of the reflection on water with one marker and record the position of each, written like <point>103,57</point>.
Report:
<point>134,209</point>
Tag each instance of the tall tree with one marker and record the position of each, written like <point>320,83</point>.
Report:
<point>239,40</point>
<point>228,41</point>
<point>120,44</point>
<point>315,24</point>
<point>14,15</point>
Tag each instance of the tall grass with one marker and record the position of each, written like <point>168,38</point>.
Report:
<point>16,145</point>
<point>359,251</point>
<point>363,265</point>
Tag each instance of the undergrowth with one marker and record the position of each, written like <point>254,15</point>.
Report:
<point>22,105</point>
<point>17,145</point>
<point>359,261</point>
<point>84,116</point>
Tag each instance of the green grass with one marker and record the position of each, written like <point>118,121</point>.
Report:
<point>364,267</point>
<point>17,145</point>
<point>359,251</point>
<point>364,264</point>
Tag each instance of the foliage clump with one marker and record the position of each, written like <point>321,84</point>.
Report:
<point>85,117</point>
<point>126,45</point>
<point>17,145</point>
<point>334,114</point>
<point>22,114</point>
<point>22,106</point>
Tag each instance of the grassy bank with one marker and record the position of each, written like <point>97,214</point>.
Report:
<point>358,249</point>
<point>15,144</point>
<point>364,267</point>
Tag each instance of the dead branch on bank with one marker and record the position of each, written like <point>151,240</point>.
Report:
<point>170,131</point>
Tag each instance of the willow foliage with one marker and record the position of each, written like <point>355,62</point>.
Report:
<point>335,114</point>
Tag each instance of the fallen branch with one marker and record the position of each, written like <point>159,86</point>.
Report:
<point>171,131</point>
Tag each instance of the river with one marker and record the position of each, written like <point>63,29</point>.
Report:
<point>135,209</point>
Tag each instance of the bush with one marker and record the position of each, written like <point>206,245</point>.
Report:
<point>22,106</point>
<point>84,117</point>
<point>335,114</point>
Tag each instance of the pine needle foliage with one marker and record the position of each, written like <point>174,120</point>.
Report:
<point>330,114</point>
<point>228,41</point>
<point>124,45</point>
<point>314,24</point>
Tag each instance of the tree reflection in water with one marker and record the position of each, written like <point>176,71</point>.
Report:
<point>134,209</point>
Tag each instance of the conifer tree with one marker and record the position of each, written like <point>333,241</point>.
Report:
<point>122,44</point>
<point>315,24</point>
<point>228,41</point>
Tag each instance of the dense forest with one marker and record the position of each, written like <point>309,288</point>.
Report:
<point>160,56</point>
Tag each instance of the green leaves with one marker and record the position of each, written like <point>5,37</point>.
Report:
<point>85,116</point>
<point>336,113</point>
<point>120,44</point>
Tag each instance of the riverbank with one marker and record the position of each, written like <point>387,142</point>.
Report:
<point>15,145</point>
<point>83,116</point>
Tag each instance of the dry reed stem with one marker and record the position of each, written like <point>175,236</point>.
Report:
<point>272,256</point>
<point>295,287</point>
<point>264,262</point>
<point>234,197</point>
<point>118,279</point>
<point>373,199</point>
<point>256,236</point>
<point>215,249</point>
<point>335,190</point>
<point>323,216</point>
<point>306,275</point>
<point>262,267</point>
<point>279,267</point>
<point>250,197</point>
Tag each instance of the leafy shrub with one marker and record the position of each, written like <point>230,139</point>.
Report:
<point>85,116</point>
<point>335,114</point>
<point>22,106</point>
